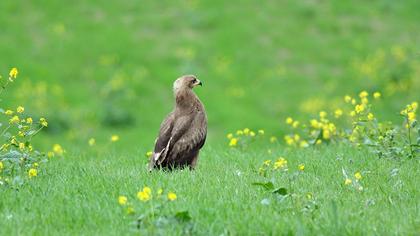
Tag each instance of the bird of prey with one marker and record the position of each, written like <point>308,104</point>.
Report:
<point>183,132</point>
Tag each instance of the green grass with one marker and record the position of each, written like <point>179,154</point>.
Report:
<point>78,194</point>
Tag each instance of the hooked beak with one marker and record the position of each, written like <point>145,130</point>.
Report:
<point>198,82</point>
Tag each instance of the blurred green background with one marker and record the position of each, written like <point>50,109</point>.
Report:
<point>98,68</point>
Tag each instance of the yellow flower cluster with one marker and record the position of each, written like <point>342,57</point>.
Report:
<point>410,113</point>
<point>144,195</point>
<point>243,135</point>
<point>325,129</point>
<point>279,164</point>
<point>115,138</point>
<point>32,172</point>
<point>292,123</point>
<point>20,130</point>
<point>58,149</point>
<point>356,183</point>
<point>13,74</point>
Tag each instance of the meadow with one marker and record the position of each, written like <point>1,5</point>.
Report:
<point>312,110</point>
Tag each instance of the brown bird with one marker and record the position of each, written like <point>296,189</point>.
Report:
<point>183,132</point>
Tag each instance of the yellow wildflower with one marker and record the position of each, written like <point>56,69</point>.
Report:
<point>21,146</point>
<point>359,108</point>
<point>370,116</point>
<point>91,142</point>
<point>314,124</point>
<point>280,163</point>
<point>353,101</point>
<point>322,114</point>
<point>363,94</point>
<point>122,200</point>
<point>358,175</point>
<point>1,165</point>
<point>352,113</point>
<point>57,149</point>
<point>319,141</point>
<point>295,124</point>
<point>233,142</point>
<point>289,120</point>
<point>246,131</point>
<point>326,134</point>
<point>377,95</point>
<point>8,112</point>
<point>143,196</point>
<point>147,190</point>
<point>32,172</point>
<point>301,167</point>
<point>20,109</point>
<point>347,181</point>
<point>365,101</point>
<point>261,132</point>
<point>252,133</point>
<point>50,154</point>
<point>415,105</point>
<point>289,140</point>
<point>36,164</point>
<point>29,120</point>
<point>347,99</point>
<point>13,73</point>
<point>338,113</point>
<point>43,122</point>
<point>267,162</point>
<point>115,138</point>
<point>239,132</point>
<point>149,154</point>
<point>229,135</point>
<point>303,144</point>
<point>14,120</point>
<point>13,141</point>
<point>171,196</point>
<point>411,116</point>
<point>160,191</point>
<point>273,139</point>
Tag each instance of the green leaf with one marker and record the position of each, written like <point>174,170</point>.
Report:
<point>183,216</point>
<point>269,186</point>
<point>11,155</point>
<point>281,191</point>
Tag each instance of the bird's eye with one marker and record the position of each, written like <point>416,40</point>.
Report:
<point>194,80</point>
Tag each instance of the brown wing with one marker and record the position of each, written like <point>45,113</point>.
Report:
<point>192,139</point>
<point>164,132</point>
<point>172,128</point>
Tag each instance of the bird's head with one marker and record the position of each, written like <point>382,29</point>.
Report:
<point>186,82</point>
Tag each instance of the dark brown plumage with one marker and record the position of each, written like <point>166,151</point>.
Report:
<point>183,132</point>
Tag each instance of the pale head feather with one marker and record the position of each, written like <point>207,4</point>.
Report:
<point>185,82</point>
